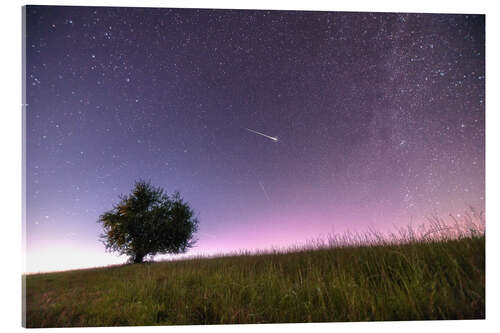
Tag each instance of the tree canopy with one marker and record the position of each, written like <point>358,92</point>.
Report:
<point>148,222</point>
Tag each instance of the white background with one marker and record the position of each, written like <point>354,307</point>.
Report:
<point>11,139</point>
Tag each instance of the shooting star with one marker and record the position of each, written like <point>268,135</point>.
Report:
<point>275,139</point>
<point>264,190</point>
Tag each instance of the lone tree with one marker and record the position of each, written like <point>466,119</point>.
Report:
<point>148,222</point>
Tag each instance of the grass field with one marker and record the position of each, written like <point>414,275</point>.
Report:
<point>348,278</point>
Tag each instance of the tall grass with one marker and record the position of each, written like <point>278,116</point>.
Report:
<point>432,272</point>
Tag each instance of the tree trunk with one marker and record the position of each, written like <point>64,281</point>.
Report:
<point>138,258</point>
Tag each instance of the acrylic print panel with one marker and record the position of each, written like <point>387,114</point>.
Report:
<point>197,166</point>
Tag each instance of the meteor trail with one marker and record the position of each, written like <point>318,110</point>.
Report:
<point>264,190</point>
<point>275,139</point>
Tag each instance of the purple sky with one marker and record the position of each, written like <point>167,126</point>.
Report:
<point>380,120</point>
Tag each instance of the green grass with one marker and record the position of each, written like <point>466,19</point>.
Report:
<point>408,279</point>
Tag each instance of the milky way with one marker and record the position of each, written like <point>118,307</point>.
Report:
<point>380,119</point>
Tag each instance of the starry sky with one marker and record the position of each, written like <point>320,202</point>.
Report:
<point>380,121</point>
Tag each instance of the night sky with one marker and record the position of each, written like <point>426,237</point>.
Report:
<point>379,120</point>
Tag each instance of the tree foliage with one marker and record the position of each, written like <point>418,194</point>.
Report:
<point>148,222</point>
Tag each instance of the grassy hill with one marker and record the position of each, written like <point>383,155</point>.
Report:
<point>410,279</point>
